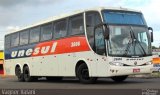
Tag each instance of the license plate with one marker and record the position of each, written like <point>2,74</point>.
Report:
<point>136,70</point>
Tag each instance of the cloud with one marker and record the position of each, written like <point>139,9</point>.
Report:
<point>12,28</point>
<point>13,11</point>
<point>13,3</point>
<point>8,16</point>
<point>152,14</point>
<point>9,3</point>
<point>135,3</point>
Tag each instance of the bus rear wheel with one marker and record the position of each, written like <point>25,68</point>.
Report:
<point>119,78</point>
<point>19,74</point>
<point>83,75</point>
<point>26,74</point>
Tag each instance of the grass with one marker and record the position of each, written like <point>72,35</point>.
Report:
<point>152,75</point>
<point>155,74</point>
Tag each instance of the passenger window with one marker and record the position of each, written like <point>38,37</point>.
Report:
<point>7,42</point>
<point>60,29</point>
<point>76,25</point>
<point>92,19</point>
<point>46,32</point>
<point>24,37</point>
<point>34,35</point>
<point>15,39</point>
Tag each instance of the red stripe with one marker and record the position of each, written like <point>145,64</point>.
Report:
<point>66,45</point>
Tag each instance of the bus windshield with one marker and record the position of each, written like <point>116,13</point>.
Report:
<point>129,41</point>
<point>129,34</point>
<point>118,17</point>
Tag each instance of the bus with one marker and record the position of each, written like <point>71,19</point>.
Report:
<point>87,44</point>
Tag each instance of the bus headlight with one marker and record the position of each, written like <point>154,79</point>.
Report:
<point>149,63</point>
<point>116,63</point>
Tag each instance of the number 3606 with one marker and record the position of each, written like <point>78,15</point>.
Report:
<point>75,44</point>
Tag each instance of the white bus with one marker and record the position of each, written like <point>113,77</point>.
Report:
<point>98,42</point>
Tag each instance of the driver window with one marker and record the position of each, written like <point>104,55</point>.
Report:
<point>99,41</point>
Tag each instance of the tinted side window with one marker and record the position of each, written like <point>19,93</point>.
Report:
<point>60,29</point>
<point>99,41</point>
<point>24,37</point>
<point>7,42</point>
<point>34,35</point>
<point>76,25</point>
<point>92,19</point>
<point>15,39</point>
<point>46,32</point>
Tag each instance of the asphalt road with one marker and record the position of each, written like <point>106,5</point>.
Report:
<point>72,83</point>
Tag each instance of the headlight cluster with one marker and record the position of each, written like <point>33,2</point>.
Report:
<point>148,63</point>
<point>116,63</point>
<point>122,64</point>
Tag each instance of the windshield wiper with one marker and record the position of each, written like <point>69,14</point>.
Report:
<point>128,45</point>
<point>135,40</point>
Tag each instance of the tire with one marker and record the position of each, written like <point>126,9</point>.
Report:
<point>83,75</point>
<point>19,74</point>
<point>54,78</point>
<point>119,78</point>
<point>26,74</point>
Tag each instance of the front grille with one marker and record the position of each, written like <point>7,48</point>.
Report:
<point>134,65</point>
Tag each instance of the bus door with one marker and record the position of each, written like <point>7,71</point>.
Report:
<point>96,40</point>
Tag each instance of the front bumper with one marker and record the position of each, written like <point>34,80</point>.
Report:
<point>130,70</point>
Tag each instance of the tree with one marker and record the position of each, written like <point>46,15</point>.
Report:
<point>154,47</point>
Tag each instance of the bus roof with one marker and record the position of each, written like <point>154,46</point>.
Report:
<point>70,14</point>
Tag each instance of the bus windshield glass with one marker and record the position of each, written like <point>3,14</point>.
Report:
<point>129,35</point>
<point>129,41</point>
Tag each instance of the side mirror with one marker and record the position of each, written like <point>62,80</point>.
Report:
<point>150,29</point>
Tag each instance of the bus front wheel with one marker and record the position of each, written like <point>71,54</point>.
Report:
<point>119,78</point>
<point>83,74</point>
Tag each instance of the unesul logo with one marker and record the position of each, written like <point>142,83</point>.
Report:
<point>41,50</point>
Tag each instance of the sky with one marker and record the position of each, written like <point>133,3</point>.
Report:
<point>15,14</point>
